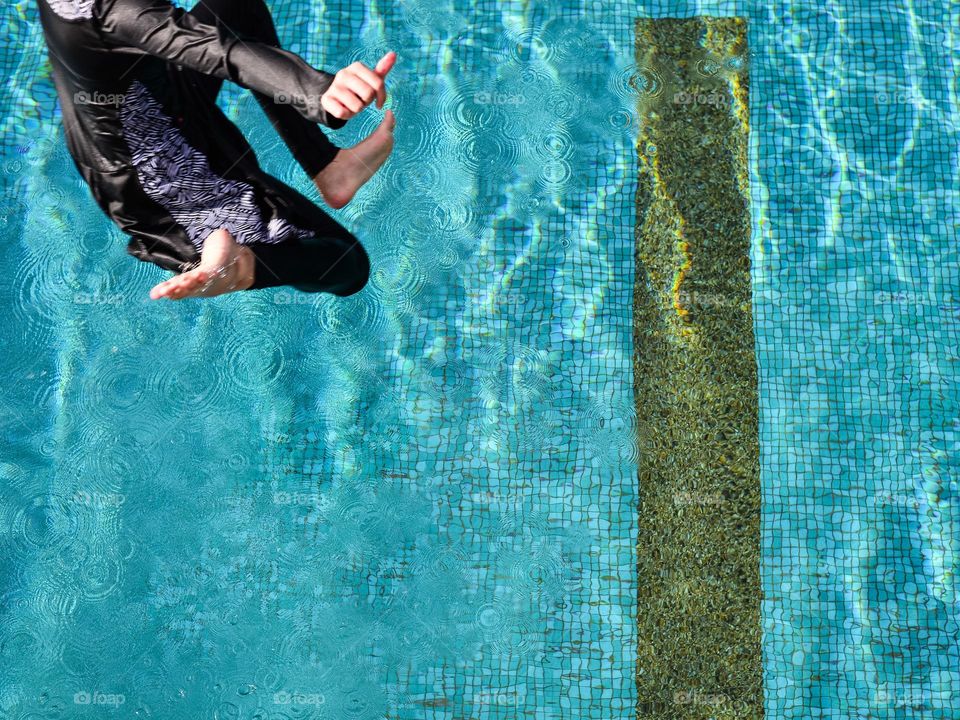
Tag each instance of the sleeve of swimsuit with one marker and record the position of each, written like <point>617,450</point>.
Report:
<point>166,31</point>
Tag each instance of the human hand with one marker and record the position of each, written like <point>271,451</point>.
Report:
<point>355,87</point>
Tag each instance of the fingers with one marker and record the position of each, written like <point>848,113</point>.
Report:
<point>181,286</point>
<point>334,106</point>
<point>373,80</point>
<point>359,83</point>
<point>356,86</point>
<point>386,64</point>
<point>348,98</point>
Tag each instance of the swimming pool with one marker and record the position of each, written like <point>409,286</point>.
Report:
<point>421,501</point>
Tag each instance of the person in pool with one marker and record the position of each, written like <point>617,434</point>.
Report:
<point>138,81</point>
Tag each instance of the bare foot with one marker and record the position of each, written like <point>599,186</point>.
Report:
<point>352,167</point>
<point>224,267</point>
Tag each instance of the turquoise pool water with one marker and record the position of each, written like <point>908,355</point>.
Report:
<point>420,501</point>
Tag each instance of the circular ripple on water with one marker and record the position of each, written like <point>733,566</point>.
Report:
<point>262,316</point>
<point>95,244</point>
<point>534,76</point>
<point>531,373</point>
<point>191,385</point>
<point>367,316</point>
<point>495,155</point>
<point>453,218</point>
<point>527,46</point>
<point>575,42</point>
<point>516,526</point>
<point>14,167</point>
<point>100,466</point>
<point>357,705</point>
<point>116,386</point>
<point>440,256</point>
<point>48,198</point>
<point>419,131</point>
<point>439,561</point>
<point>448,256</point>
<point>19,642</point>
<point>491,360</point>
<point>331,320</point>
<point>418,228</point>
<point>643,81</point>
<point>622,120</point>
<point>40,299</point>
<point>555,174</point>
<point>367,53</point>
<point>532,437</point>
<point>613,447</point>
<point>142,440</point>
<point>45,523</point>
<point>491,618</point>
<point>399,277</point>
<point>61,587</point>
<point>557,145</point>
<point>100,577</point>
<point>417,638</point>
<point>418,15</point>
<point>541,577</point>
<point>591,417</point>
<point>422,177</point>
<point>56,594</point>
<point>447,377</point>
<point>566,104</point>
<point>253,364</point>
<point>623,416</point>
<point>473,107</point>
<point>518,638</point>
<point>709,67</point>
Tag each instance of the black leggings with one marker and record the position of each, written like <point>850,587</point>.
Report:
<point>334,261</point>
<point>333,265</point>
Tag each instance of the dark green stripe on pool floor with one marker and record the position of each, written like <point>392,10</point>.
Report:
<point>696,377</point>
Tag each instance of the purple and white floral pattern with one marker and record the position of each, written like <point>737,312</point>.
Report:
<point>179,178</point>
<point>72,9</point>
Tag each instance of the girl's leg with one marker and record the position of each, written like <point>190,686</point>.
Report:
<point>320,264</point>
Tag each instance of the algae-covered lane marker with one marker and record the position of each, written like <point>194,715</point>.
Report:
<point>695,376</point>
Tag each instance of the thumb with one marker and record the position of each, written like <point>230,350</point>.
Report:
<point>386,64</point>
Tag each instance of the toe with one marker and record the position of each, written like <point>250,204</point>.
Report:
<point>162,290</point>
<point>389,121</point>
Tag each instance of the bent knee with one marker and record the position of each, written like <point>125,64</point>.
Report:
<point>359,272</point>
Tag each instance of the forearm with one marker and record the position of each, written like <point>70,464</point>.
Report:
<point>308,144</point>
<point>283,77</point>
<point>160,29</point>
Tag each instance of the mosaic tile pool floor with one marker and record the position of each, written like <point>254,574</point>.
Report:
<point>421,502</point>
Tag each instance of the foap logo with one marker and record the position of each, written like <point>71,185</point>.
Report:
<point>698,97</point>
<point>99,499</point>
<point>901,697</point>
<point>95,97</point>
<point>291,298</point>
<point>299,498</point>
<point>498,699</point>
<point>310,102</point>
<point>96,697</point>
<point>97,299</point>
<point>485,97</point>
<point>686,498</point>
<point>704,699</point>
<point>295,697</point>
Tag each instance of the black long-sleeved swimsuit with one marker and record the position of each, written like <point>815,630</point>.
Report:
<point>137,82</point>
